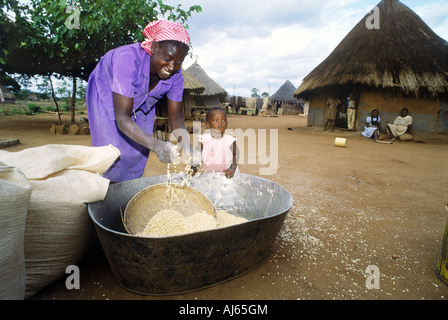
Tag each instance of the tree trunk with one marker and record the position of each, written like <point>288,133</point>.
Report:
<point>54,99</point>
<point>73,100</point>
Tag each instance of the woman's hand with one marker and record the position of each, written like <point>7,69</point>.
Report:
<point>166,151</point>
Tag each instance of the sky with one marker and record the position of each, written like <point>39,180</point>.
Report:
<point>245,44</point>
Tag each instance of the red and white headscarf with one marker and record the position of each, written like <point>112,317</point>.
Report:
<point>161,30</point>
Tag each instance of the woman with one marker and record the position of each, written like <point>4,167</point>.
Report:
<point>122,92</point>
<point>372,127</point>
<point>401,127</point>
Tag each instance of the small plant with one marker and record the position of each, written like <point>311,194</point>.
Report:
<point>17,111</point>
<point>65,107</point>
<point>50,108</point>
<point>33,108</point>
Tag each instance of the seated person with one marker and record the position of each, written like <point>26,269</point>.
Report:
<point>401,127</point>
<point>372,127</point>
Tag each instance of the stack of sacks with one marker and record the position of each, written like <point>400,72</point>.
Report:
<point>15,193</point>
<point>63,179</point>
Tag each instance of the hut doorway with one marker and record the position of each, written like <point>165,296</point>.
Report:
<point>343,115</point>
<point>342,111</point>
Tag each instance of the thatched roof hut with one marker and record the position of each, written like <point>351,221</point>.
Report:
<point>213,94</point>
<point>191,86</point>
<point>6,96</point>
<point>402,62</point>
<point>285,94</point>
<point>403,53</point>
<point>284,98</point>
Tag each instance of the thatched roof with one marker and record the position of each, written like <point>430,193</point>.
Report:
<point>403,53</point>
<point>285,94</point>
<point>211,87</point>
<point>191,84</point>
<point>5,94</point>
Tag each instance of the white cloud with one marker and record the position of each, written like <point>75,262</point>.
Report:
<point>435,14</point>
<point>261,44</point>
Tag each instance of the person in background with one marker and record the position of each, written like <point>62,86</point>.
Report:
<point>219,150</point>
<point>123,90</point>
<point>351,111</point>
<point>401,128</point>
<point>331,112</point>
<point>372,127</point>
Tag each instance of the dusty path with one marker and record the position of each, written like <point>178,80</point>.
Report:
<point>366,204</point>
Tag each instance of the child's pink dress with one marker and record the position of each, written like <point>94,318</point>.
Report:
<point>217,154</point>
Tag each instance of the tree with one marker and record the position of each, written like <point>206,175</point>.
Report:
<point>9,82</point>
<point>44,88</point>
<point>254,93</point>
<point>68,38</point>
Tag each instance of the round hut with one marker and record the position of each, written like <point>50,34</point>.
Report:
<point>213,94</point>
<point>6,96</point>
<point>398,62</point>
<point>284,101</point>
<point>191,87</point>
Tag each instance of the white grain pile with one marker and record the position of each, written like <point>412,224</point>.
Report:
<point>171,223</point>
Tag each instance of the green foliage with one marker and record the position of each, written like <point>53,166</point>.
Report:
<point>8,81</point>
<point>43,41</point>
<point>33,108</point>
<point>254,93</point>
<point>42,37</point>
<point>50,109</point>
<point>14,111</point>
<point>23,94</point>
<point>65,107</point>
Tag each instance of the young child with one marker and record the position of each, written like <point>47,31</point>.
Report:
<point>219,150</point>
<point>372,127</point>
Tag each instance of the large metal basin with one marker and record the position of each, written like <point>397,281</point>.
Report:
<point>179,264</point>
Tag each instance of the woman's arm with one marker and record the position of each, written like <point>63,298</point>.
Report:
<point>123,113</point>
<point>176,119</point>
<point>177,124</point>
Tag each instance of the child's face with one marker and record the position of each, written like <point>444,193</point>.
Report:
<point>217,121</point>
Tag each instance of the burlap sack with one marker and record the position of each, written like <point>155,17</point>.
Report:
<point>58,231</point>
<point>15,192</point>
<point>41,162</point>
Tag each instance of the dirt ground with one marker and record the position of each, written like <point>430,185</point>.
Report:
<point>362,205</point>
